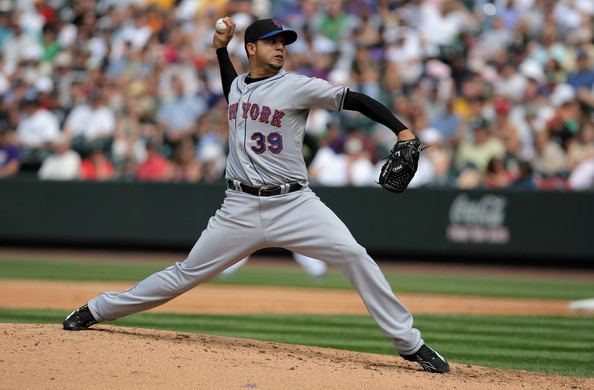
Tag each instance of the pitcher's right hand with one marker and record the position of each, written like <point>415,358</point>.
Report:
<point>222,39</point>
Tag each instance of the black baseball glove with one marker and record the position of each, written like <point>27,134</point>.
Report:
<point>401,165</point>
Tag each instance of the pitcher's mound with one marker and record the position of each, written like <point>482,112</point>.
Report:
<point>45,356</point>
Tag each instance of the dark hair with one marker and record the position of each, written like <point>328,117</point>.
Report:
<point>493,164</point>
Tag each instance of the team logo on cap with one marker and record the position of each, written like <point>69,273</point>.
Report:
<point>277,24</point>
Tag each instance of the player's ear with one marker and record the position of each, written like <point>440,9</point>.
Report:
<point>250,49</point>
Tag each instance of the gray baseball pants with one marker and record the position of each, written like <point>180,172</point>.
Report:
<point>297,221</point>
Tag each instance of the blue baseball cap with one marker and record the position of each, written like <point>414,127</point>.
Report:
<point>267,28</point>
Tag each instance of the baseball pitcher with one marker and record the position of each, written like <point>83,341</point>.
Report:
<point>268,202</point>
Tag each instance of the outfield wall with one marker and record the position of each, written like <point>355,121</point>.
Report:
<point>421,222</point>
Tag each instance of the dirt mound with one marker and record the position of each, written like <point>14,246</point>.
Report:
<point>45,356</point>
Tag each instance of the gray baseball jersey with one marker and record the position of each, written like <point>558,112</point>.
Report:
<point>266,126</point>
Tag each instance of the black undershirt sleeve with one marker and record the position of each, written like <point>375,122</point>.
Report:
<point>374,110</point>
<point>228,73</point>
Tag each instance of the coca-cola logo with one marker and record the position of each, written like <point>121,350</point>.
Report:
<point>488,210</point>
<point>480,221</point>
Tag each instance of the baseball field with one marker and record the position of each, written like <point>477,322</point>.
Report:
<point>270,326</point>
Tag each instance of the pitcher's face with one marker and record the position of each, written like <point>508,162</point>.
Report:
<point>269,53</point>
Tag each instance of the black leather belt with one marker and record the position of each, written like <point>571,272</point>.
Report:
<point>263,190</point>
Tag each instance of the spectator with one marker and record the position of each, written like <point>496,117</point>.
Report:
<point>186,168</point>
<point>582,177</point>
<point>495,175</point>
<point>565,123</point>
<point>548,47</point>
<point>38,130</point>
<point>138,32</point>
<point>495,39</point>
<point>128,145</point>
<point>51,45</point>
<point>156,167</point>
<point>91,125</point>
<point>119,63</point>
<point>97,166</point>
<point>63,164</point>
<point>366,73</point>
<point>405,52</point>
<point>480,149</point>
<point>210,150</point>
<point>525,179</point>
<point>512,84</point>
<point>336,22</point>
<point>10,154</point>
<point>360,170</point>
<point>334,138</point>
<point>434,161</point>
<point>180,113</point>
<point>449,124</point>
<point>583,76</point>
<point>581,159</point>
<point>582,147</point>
<point>550,160</point>
<point>508,133</point>
<point>469,177</point>
<point>328,167</point>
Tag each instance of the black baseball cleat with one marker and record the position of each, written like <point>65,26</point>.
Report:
<point>79,319</point>
<point>429,359</point>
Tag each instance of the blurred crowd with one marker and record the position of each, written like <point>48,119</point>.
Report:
<point>501,90</point>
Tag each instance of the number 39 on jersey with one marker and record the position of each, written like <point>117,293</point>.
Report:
<point>263,140</point>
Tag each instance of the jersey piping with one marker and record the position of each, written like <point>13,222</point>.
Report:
<point>344,93</point>
<point>245,123</point>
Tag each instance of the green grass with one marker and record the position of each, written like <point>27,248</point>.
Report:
<point>494,286</point>
<point>82,270</point>
<point>556,345</point>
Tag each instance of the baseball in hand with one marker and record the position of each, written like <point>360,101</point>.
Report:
<point>220,26</point>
